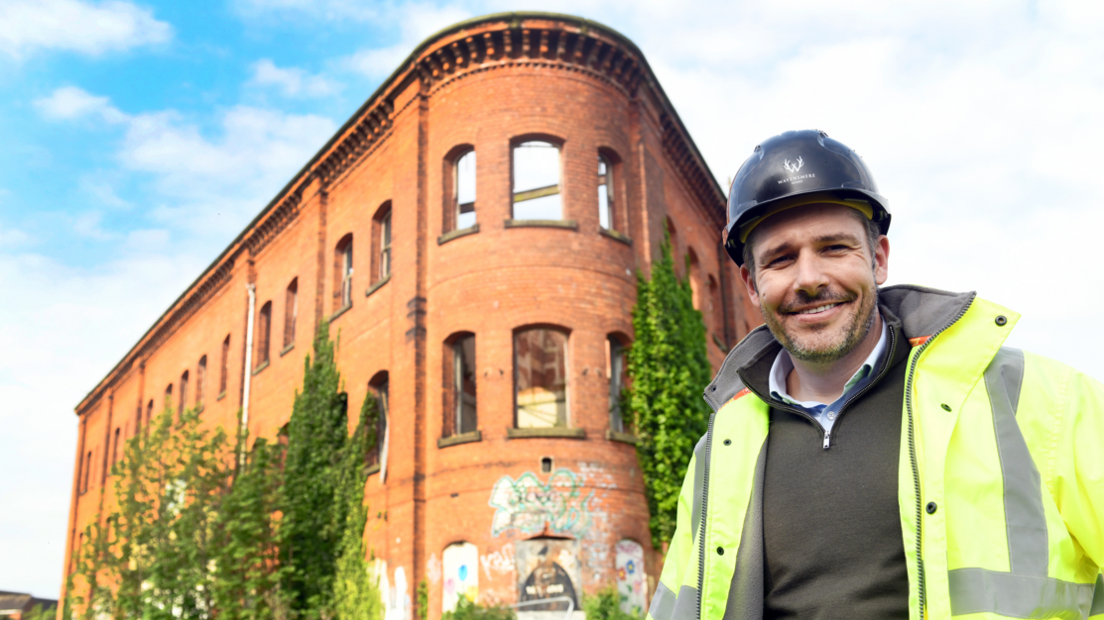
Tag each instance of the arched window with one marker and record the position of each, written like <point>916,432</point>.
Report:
<point>264,333</point>
<point>716,307</point>
<point>606,203</point>
<point>382,258</point>
<point>87,470</point>
<point>149,413</point>
<point>632,583</point>
<point>201,381</point>
<point>168,396</point>
<point>379,385</point>
<point>463,198</point>
<point>695,280</point>
<point>183,392</point>
<point>343,273</point>
<point>536,175</point>
<point>115,447</point>
<point>224,366</point>
<point>460,574</point>
<point>291,311</point>
<point>540,378</point>
<point>617,367</point>
<point>460,386</point>
<point>672,237</point>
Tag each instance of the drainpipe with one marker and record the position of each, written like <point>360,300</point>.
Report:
<point>252,290</point>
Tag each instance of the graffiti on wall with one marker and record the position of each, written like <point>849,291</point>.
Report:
<point>631,583</point>
<point>548,568</point>
<point>530,506</point>
<point>396,599</point>
<point>461,574</point>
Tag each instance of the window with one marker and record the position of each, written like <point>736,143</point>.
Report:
<point>632,582</point>
<point>343,273</point>
<point>672,238</point>
<point>695,280</point>
<point>224,366</point>
<point>168,396</point>
<point>618,380</point>
<point>464,191</point>
<point>537,181</point>
<point>201,381</point>
<point>379,385</point>
<point>183,392</point>
<point>385,246</point>
<point>540,378</point>
<point>463,411</point>
<point>291,311</point>
<point>264,331</point>
<point>149,413</point>
<point>87,470</point>
<point>460,573</point>
<point>605,193</point>
<point>115,448</point>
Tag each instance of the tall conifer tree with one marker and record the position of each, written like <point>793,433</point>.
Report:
<point>669,368</point>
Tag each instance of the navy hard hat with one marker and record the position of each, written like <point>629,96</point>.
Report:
<point>793,164</point>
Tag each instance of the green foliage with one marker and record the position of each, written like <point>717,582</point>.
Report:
<point>669,368</point>
<point>356,594</point>
<point>606,605</point>
<point>423,599</point>
<point>314,517</point>
<point>467,610</point>
<point>38,612</point>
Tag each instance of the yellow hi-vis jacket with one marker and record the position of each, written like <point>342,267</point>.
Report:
<point>1000,479</point>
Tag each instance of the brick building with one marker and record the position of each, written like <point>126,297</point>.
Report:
<point>473,232</point>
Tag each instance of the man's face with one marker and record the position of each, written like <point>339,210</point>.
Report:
<point>816,280</point>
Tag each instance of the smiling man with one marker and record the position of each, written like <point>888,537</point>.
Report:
<point>877,452</point>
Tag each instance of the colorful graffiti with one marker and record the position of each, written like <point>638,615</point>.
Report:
<point>531,507</point>
<point>629,557</point>
<point>461,573</point>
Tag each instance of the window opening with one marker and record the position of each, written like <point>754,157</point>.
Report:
<point>87,470</point>
<point>464,384</point>
<point>605,193</point>
<point>115,448</point>
<point>149,413</point>
<point>465,191</point>
<point>385,246</point>
<point>345,271</point>
<point>264,332</point>
<point>618,379</point>
<point>695,280</point>
<point>223,367</point>
<point>183,391</point>
<point>201,380</point>
<point>537,181</point>
<point>540,370</point>
<point>378,455</point>
<point>546,465</point>
<point>168,396</point>
<point>291,311</point>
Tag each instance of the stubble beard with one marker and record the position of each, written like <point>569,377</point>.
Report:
<point>861,323</point>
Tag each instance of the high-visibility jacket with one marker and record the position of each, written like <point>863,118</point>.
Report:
<point>1000,478</point>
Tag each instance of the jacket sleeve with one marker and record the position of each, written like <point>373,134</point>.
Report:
<point>672,600</point>
<point>1079,464</point>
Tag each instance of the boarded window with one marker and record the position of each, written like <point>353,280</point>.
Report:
<point>632,583</point>
<point>291,312</point>
<point>264,333</point>
<point>540,371</point>
<point>618,379</point>
<point>201,381</point>
<point>223,366</point>
<point>463,382</point>
<point>464,193</point>
<point>537,181</point>
<point>460,573</point>
<point>605,193</point>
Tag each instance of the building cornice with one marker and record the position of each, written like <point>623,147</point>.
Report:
<point>479,44</point>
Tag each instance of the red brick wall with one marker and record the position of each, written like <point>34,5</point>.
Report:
<point>489,283</point>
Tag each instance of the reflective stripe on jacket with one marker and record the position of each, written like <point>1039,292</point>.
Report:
<point>1000,482</point>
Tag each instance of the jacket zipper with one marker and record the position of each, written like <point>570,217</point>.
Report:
<point>704,514</point>
<point>912,455</point>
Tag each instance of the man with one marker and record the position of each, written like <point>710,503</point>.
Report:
<point>878,453</point>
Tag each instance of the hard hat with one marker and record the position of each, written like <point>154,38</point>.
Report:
<point>792,165</point>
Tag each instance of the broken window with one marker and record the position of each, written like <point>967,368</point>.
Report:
<point>618,380</point>
<point>264,330</point>
<point>291,311</point>
<point>537,181</point>
<point>223,368</point>
<point>463,384</point>
<point>605,192</point>
<point>540,371</point>
<point>343,273</point>
<point>464,191</point>
<point>201,380</point>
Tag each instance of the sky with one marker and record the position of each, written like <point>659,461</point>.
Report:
<point>138,138</point>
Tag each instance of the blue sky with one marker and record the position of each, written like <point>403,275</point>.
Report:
<point>140,137</point>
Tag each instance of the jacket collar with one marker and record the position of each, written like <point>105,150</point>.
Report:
<point>921,311</point>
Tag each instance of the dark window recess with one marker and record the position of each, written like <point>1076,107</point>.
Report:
<point>464,396</point>
<point>546,465</point>
<point>540,378</point>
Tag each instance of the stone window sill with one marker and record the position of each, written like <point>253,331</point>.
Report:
<point>333,317</point>
<point>377,286</point>
<point>613,234</point>
<point>456,440</point>
<point>372,469</point>
<point>287,349</point>
<point>258,369</point>
<point>560,432</point>
<point>456,234</point>
<point>628,438</point>
<point>565,224</point>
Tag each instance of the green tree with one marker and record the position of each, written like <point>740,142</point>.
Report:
<point>669,368</point>
<point>314,518</point>
<point>605,604</point>
<point>356,593</point>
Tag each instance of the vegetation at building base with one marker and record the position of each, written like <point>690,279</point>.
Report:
<point>468,610</point>
<point>669,368</point>
<point>38,612</point>
<point>605,604</point>
<point>202,529</point>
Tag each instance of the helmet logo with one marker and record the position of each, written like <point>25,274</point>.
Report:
<point>793,167</point>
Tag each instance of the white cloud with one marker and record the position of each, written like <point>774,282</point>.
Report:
<point>293,82</point>
<point>416,22</point>
<point>70,102</point>
<point>28,26</point>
